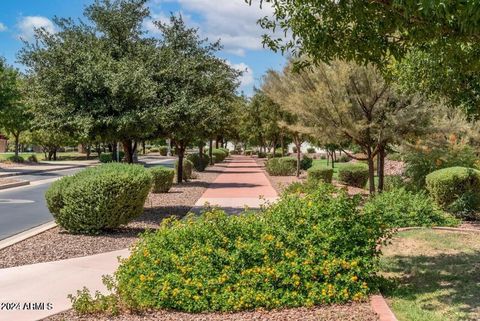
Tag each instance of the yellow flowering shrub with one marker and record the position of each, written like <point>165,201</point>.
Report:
<point>305,250</point>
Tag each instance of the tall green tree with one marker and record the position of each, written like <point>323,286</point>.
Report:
<point>194,85</point>
<point>9,89</point>
<point>343,102</point>
<point>99,71</point>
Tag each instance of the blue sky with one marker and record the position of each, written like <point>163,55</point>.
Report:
<point>232,21</point>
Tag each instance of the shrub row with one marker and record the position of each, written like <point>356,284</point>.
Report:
<point>318,173</point>
<point>162,179</point>
<point>187,169</point>
<point>200,162</point>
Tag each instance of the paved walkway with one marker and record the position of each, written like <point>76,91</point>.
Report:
<point>242,183</point>
<point>51,283</point>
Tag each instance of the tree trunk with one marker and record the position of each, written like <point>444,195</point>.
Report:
<point>333,159</point>
<point>371,172</point>
<point>129,150</point>
<point>55,154</point>
<point>381,169</point>
<point>298,144</point>
<point>217,141</point>
<point>200,149</point>
<point>88,151</point>
<point>282,144</point>
<point>143,147</point>
<point>181,154</point>
<point>210,147</point>
<point>17,138</point>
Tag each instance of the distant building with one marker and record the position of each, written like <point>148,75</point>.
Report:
<point>3,143</point>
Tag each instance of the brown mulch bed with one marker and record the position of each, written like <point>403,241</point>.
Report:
<point>57,244</point>
<point>347,312</point>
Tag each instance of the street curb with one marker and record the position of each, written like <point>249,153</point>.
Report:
<point>440,228</point>
<point>26,234</point>
<point>15,184</point>
<point>380,307</point>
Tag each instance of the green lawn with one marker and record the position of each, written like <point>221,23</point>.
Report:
<point>60,156</point>
<point>435,274</point>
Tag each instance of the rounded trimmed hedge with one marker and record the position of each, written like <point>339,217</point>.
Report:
<point>163,150</point>
<point>162,179</point>
<point>219,155</point>
<point>282,166</point>
<point>200,162</point>
<point>106,158</point>
<point>98,198</point>
<point>324,174</point>
<point>455,189</point>
<point>301,251</point>
<point>225,150</point>
<point>355,175</point>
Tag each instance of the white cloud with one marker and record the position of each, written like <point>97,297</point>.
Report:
<point>2,27</point>
<point>246,80</point>
<point>27,26</point>
<point>232,21</point>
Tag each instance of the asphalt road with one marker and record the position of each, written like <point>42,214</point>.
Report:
<point>24,208</point>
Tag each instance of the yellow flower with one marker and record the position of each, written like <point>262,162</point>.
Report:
<point>142,278</point>
<point>354,278</point>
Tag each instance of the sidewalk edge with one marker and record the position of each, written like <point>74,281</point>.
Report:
<point>380,307</point>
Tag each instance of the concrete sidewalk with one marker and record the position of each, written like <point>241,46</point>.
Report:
<point>33,292</point>
<point>242,183</point>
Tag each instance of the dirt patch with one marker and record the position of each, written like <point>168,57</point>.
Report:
<point>347,312</point>
<point>57,244</point>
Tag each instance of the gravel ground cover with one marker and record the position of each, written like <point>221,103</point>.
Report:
<point>57,244</point>
<point>347,312</point>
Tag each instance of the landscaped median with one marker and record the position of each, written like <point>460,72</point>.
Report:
<point>58,243</point>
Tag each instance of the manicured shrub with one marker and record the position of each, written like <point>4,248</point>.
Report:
<point>187,169</point>
<point>219,154</point>
<point>323,156</point>
<point>401,208</point>
<point>294,149</point>
<point>302,251</point>
<point>162,179</point>
<point>353,175</point>
<point>225,150</point>
<point>98,198</point>
<point>456,189</point>
<point>392,182</point>
<point>421,161</point>
<point>200,162</point>
<point>282,166</point>
<point>319,173</point>
<point>163,150</point>
<point>15,159</point>
<point>154,150</point>
<point>306,162</point>
<point>106,158</point>
<point>262,155</point>
<point>248,152</point>
<point>32,158</point>
<point>311,150</point>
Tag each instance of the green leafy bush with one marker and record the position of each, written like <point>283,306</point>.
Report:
<point>311,150</point>
<point>353,175</point>
<point>343,159</point>
<point>225,150</point>
<point>187,169</point>
<point>162,179</point>
<point>306,162</point>
<point>283,166</point>
<point>422,160</point>
<point>154,150</point>
<point>32,158</point>
<point>106,158</point>
<point>302,251</point>
<point>319,173</point>
<point>391,182</point>
<point>401,208</point>
<point>456,189</point>
<point>163,150</point>
<point>98,198</point>
<point>262,155</point>
<point>15,159</point>
<point>218,154</point>
<point>248,152</point>
<point>294,149</point>
<point>200,162</point>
